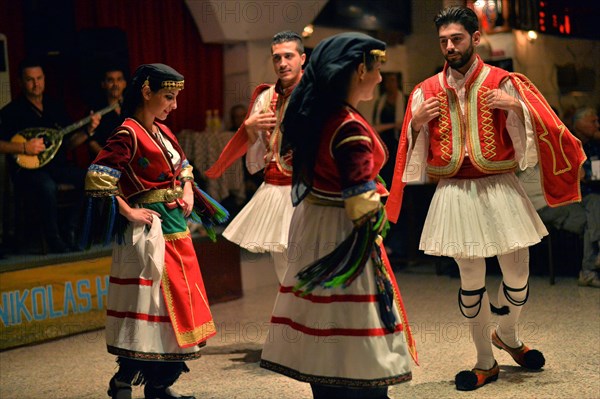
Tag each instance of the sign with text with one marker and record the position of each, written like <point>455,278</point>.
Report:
<point>48,302</point>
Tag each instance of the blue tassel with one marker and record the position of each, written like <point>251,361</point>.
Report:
<point>385,293</point>
<point>112,212</point>
<point>87,226</point>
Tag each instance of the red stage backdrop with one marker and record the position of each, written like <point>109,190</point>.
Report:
<point>156,31</point>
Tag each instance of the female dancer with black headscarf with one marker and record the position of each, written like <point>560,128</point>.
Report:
<point>338,321</point>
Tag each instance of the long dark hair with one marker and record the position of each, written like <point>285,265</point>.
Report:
<point>321,92</point>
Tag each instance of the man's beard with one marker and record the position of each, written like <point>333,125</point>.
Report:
<point>462,60</point>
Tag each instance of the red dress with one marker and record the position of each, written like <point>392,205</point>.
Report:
<point>157,305</point>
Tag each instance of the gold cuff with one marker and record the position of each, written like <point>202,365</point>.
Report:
<point>97,181</point>
<point>187,173</point>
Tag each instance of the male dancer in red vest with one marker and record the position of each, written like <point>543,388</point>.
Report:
<point>471,126</point>
<point>263,224</point>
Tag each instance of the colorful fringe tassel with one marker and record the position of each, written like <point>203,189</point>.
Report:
<point>207,212</point>
<point>347,261</point>
<point>100,209</point>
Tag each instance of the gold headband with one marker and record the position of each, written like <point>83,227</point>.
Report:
<point>172,84</point>
<point>166,84</point>
<point>379,55</point>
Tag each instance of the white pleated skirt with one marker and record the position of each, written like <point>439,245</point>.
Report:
<point>263,224</point>
<point>138,324</point>
<point>332,336</point>
<point>479,218</point>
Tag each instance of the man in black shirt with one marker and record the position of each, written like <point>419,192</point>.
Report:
<point>38,188</point>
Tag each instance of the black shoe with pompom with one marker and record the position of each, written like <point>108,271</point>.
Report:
<point>469,380</point>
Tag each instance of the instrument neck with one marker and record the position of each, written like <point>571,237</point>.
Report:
<point>78,125</point>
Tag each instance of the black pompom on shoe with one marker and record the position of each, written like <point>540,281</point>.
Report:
<point>531,359</point>
<point>469,380</point>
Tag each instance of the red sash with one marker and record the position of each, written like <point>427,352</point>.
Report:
<point>410,340</point>
<point>276,177</point>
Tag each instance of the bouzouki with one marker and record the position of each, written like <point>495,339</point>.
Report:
<point>52,140</point>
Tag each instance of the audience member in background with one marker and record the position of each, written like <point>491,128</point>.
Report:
<point>582,218</point>
<point>387,118</point>
<point>237,114</point>
<point>387,121</point>
<point>113,85</point>
<point>40,186</point>
<point>587,129</point>
<point>263,224</point>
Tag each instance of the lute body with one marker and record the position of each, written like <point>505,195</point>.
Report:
<point>52,140</point>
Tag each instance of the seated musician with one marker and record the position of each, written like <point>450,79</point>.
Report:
<point>37,187</point>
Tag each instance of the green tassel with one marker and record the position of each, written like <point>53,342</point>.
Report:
<point>342,265</point>
<point>347,261</point>
<point>207,212</point>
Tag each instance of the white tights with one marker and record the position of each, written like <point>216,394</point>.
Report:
<point>515,273</point>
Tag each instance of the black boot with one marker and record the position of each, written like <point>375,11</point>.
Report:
<point>152,392</point>
<point>118,389</point>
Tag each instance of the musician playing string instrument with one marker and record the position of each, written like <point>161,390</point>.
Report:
<point>39,186</point>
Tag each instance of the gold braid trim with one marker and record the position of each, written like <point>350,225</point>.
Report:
<point>487,125</point>
<point>444,126</point>
<point>451,128</point>
<point>354,138</point>
<point>177,236</point>
<point>475,112</point>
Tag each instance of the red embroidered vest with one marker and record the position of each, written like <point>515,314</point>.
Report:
<point>327,181</point>
<point>150,166</point>
<point>481,131</point>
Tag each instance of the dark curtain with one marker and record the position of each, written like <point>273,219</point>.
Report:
<point>164,31</point>
<point>156,31</point>
<point>11,25</point>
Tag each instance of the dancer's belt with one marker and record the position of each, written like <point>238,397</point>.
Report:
<point>276,178</point>
<point>160,195</point>
<point>315,200</point>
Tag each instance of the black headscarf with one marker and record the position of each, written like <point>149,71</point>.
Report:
<point>322,89</point>
<point>157,76</point>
